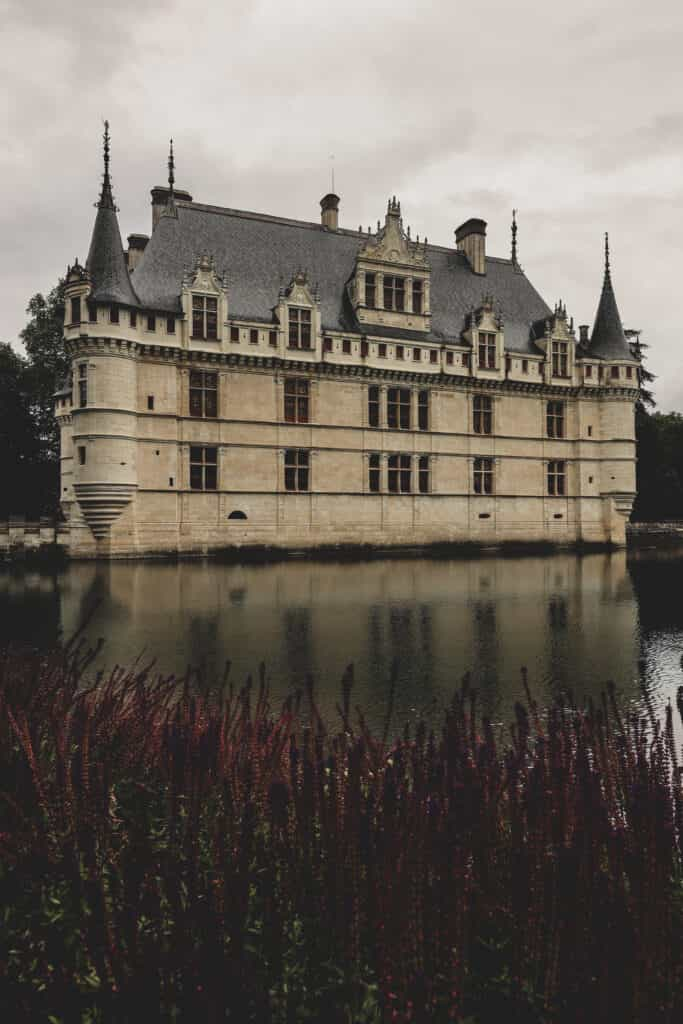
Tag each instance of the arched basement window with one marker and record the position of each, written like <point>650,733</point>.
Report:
<point>237,515</point>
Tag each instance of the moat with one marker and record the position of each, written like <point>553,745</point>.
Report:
<point>575,621</point>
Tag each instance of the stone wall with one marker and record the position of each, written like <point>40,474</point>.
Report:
<point>19,535</point>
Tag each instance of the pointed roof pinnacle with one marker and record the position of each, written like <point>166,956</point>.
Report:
<point>106,200</point>
<point>608,339</point>
<point>514,237</point>
<point>607,273</point>
<point>171,167</point>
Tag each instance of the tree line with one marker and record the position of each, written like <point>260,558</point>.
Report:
<point>29,436</point>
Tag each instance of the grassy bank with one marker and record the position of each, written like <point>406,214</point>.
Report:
<point>169,855</point>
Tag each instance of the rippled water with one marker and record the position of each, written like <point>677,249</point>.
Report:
<point>574,621</point>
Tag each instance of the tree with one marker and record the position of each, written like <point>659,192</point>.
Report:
<point>48,364</point>
<point>20,453</point>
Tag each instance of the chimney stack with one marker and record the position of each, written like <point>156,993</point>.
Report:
<point>329,211</point>
<point>583,334</point>
<point>136,246</point>
<point>470,238</point>
<point>160,194</point>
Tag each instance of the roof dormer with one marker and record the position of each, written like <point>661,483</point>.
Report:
<point>391,284</point>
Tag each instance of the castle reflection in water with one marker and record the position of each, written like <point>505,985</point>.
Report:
<point>574,621</point>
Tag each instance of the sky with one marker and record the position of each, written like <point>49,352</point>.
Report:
<point>571,113</point>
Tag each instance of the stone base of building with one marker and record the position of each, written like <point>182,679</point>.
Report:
<point>205,524</point>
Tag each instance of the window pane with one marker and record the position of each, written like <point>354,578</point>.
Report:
<point>290,409</point>
<point>211,403</point>
<point>196,478</point>
<point>195,454</point>
<point>290,473</point>
<point>211,380</point>
<point>210,478</point>
<point>195,402</point>
<point>302,410</point>
<point>303,479</point>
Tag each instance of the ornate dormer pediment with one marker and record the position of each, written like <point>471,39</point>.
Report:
<point>77,276</point>
<point>557,327</point>
<point>300,292</point>
<point>204,300</point>
<point>485,317</point>
<point>203,276</point>
<point>391,283</point>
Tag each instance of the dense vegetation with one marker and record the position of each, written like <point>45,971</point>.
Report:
<point>172,854</point>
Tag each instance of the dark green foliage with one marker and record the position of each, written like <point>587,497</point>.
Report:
<point>175,855</point>
<point>660,466</point>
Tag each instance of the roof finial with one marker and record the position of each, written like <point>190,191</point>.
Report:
<point>171,168</point>
<point>514,238</point>
<point>607,273</point>
<point>106,197</point>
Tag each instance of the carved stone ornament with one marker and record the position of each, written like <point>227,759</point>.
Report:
<point>300,292</point>
<point>391,244</point>
<point>204,277</point>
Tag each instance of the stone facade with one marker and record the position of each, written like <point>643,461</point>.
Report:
<point>193,423</point>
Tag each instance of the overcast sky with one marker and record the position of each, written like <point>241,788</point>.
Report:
<point>573,113</point>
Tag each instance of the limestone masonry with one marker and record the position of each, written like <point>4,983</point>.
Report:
<point>240,379</point>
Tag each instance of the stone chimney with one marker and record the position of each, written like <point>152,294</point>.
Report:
<point>583,334</point>
<point>136,246</point>
<point>470,238</point>
<point>160,194</point>
<point>329,211</point>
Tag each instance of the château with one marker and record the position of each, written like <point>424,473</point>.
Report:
<point>240,379</point>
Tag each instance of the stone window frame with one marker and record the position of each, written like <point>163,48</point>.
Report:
<point>199,304</point>
<point>487,346</point>
<point>296,469</point>
<point>556,419</point>
<point>301,318</point>
<point>483,476</point>
<point>296,394</point>
<point>556,478</point>
<point>399,473</point>
<point>483,413</point>
<point>205,393</point>
<point>203,467</point>
<point>559,358</point>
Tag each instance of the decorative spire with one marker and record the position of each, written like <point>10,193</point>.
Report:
<point>171,169</point>
<point>514,238</point>
<point>106,201</point>
<point>607,339</point>
<point>607,271</point>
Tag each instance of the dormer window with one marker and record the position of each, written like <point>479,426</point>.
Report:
<point>394,293</point>
<point>370,293</point>
<point>560,359</point>
<point>299,327</point>
<point>417,296</point>
<point>204,318</point>
<point>487,351</point>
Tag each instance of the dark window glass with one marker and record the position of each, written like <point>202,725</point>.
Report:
<point>433,356</point>
<point>296,400</point>
<point>204,317</point>
<point>487,351</point>
<point>82,384</point>
<point>465,359</point>
<point>234,334</point>
<point>399,474</point>
<point>327,344</point>
<point>417,296</point>
<point>482,414</point>
<point>272,338</point>
<point>555,419</point>
<point>364,348</point>
<point>398,408</point>
<point>394,293</point>
<point>374,479</point>
<point>203,468</point>
<point>203,393</point>
<point>399,351</point>
<point>423,410</point>
<point>373,406</point>
<point>92,313</point>
<point>299,327</point>
<point>417,355</point>
<point>508,364</point>
<point>629,372</point>
<point>253,336</point>
<point>423,474</point>
<point>615,371</point>
<point>483,476</point>
<point>556,478</point>
<point>525,365</point>
<point>370,294</point>
<point>540,368</point>
<point>346,346</point>
<point>589,371</point>
<point>76,311</point>
<point>150,401</point>
<point>170,325</point>
<point>296,469</point>
<point>151,323</point>
<point>560,359</point>
<point>133,318</point>
<point>382,350</point>
<point>449,358</point>
<point>81,455</point>
<point>114,314</point>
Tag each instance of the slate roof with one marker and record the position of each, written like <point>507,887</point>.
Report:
<point>106,261</point>
<point>260,254</point>
<point>608,340</point>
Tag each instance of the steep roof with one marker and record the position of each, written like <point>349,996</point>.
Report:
<point>608,340</point>
<point>106,261</point>
<point>262,253</point>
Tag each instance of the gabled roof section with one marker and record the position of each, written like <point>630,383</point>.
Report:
<point>260,254</point>
<point>106,261</point>
<point>608,340</point>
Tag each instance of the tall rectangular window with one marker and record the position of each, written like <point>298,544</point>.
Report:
<point>417,355</point>
<point>170,325</point>
<point>525,365</point>
<point>253,336</point>
<point>75,311</point>
<point>204,317</point>
<point>399,474</point>
<point>614,371</point>
<point>394,292</point>
<point>449,358</point>
<point>482,414</point>
<point>589,371</point>
<point>81,455</point>
<point>203,394</point>
<point>629,373</point>
<point>556,478</point>
<point>114,314</point>
<point>364,348</point>
<point>382,350</point>
<point>399,351</point>
<point>133,316</point>
<point>299,327</point>
<point>92,312</point>
<point>555,419</point>
<point>417,296</point>
<point>82,384</point>
<point>483,476</point>
<point>423,410</point>
<point>398,408</point>
<point>272,338</point>
<point>373,406</point>
<point>423,474</point>
<point>151,322</point>
<point>487,351</point>
<point>203,468</point>
<point>370,293</point>
<point>374,479</point>
<point>346,346</point>
<point>296,469</point>
<point>296,400</point>
<point>560,359</point>
<point>327,344</point>
<point>465,360</point>
<point>433,356</point>
<point>234,334</point>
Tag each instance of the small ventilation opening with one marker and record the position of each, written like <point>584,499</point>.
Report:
<point>237,514</point>
<point>558,515</point>
<point>484,515</point>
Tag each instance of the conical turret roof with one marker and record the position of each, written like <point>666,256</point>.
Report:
<point>608,340</point>
<point>106,261</point>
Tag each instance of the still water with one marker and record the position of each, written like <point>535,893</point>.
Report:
<point>574,621</point>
